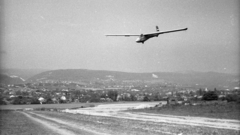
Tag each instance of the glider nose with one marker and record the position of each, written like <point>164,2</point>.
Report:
<point>138,40</point>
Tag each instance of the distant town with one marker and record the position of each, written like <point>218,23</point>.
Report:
<point>108,90</point>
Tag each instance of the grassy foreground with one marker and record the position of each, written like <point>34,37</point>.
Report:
<point>222,111</point>
<point>15,123</point>
<point>34,106</point>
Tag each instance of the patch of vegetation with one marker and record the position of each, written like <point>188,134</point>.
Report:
<point>49,106</point>
<point>209,109</point>
<point>24,100</point>
<point>59,109</point>
<point>209,96</point>
<point>233,98</point>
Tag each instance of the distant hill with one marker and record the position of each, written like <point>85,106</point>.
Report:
<point>84,74</point>
<point>23,73</point>
<point>201,79</point>
<point>5,79</point>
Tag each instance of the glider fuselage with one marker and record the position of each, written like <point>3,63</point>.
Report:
<point>143,38</point>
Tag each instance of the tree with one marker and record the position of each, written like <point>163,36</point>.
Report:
<point>200,92</point>
<point>49,101</point>
<point>113,95</point>
<point>17,100</point>
<point>210,95</point>
<point>157,97</point>
<point>48,98</point>
<point>2,102</point>
<point>95,97</point>
<point>133,98</point>
<point>103,95</point>
<point>146,98</point>
<point>18,92</point>
<point>35,101</point>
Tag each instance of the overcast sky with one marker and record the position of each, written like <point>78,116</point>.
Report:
<point>63,34</point>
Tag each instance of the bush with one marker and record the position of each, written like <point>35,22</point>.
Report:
<point>17,100</point>
<point>49,101</point>
<point>233,98</point>
<point>35,101</point>
<point>2,102</point>
<point>146,98</point>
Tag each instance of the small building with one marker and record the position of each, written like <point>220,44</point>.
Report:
<point>172,101</point>
<point>236,88</point>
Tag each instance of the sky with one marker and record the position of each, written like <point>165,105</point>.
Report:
<point>70,34</point>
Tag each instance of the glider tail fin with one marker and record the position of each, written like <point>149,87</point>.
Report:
<point>157,29</point>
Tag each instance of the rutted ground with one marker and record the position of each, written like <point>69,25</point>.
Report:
<point>56,128</point>
<point>115,110</point>
<point>89,124</point>
<point>110,119</point>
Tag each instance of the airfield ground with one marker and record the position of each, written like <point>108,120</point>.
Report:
<point>111,119</point>
<point>219,111</point>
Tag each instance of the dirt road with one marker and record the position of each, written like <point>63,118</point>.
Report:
<point>59,126</point>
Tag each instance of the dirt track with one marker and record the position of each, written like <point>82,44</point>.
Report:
<point>51,126</point>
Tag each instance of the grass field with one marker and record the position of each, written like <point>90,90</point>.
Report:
<point>15,123</point>
<point>222,111</point>
<point>58,106</point>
